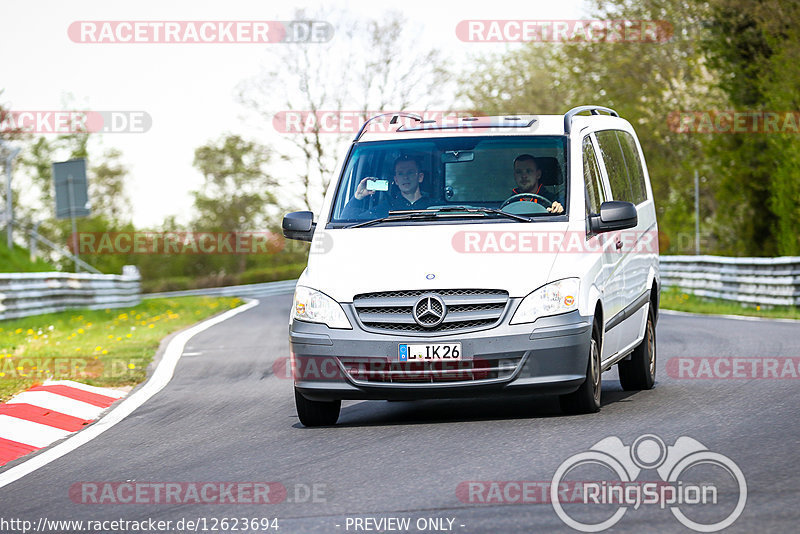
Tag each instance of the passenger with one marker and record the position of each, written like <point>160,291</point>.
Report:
<point>407,179</point>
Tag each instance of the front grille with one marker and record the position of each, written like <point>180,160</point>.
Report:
<point>467,309</point>
<point>382,371</point>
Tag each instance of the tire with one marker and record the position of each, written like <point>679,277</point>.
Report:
<point>316,413</point>
<point>587,398</point>
<point>640,371</point>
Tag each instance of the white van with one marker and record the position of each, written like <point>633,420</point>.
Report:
<point>489,255</point>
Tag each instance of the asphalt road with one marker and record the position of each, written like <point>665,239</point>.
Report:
<point>226,417</point>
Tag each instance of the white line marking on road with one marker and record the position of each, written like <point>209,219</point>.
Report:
<point>157,382</point>
<point>58,403</point>
<point>28,432</point>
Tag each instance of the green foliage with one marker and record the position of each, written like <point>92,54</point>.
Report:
<point>725,54</point>
<point>252,276</point>
<point>236,194</point>
<point>755,52</point>
<point>643,81</point>
<point>18,260</point>
<point>107,194</point>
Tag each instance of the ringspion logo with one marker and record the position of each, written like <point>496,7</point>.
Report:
<point>692,477</point>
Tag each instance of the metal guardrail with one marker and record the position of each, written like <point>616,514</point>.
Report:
<point>249,290</point>
<point>774,281</point>
<point>24,294</point>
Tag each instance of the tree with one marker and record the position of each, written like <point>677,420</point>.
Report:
<point>755,49</point>
<point>35,203</point>
<point>643,81</point>
<point>237,191</point>
<point>360,71</point>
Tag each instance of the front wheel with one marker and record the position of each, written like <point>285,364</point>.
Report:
<point>587,398</point>
<point>640,371</point>
<point>316,413</point>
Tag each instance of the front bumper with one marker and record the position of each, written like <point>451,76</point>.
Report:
<point>550,355</point>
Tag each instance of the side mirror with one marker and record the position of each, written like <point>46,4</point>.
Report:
<point>299,225</point>
<point>614,215</point>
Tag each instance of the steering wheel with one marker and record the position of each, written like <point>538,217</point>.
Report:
<point>520,196</point>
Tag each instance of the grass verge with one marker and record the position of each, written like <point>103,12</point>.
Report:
<point>675,299</point>
<point>111,347</point>
<point>17,260</point>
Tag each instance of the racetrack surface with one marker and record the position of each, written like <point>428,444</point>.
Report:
<point>226,417</point>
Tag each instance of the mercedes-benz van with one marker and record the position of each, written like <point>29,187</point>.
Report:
<point>490,255</point>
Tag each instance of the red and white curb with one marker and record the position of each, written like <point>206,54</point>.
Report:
<point>48,413</point>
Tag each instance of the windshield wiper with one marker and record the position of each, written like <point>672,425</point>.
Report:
<point>407,215</point>
<point>398,215</point>
<point>495,211</point>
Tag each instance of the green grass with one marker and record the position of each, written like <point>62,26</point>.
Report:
<point>675,299</point>
<point>17,260</point>
<point>111,347</point>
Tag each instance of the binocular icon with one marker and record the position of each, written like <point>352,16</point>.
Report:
<point>649,452</point>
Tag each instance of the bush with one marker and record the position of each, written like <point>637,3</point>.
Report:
<point>253,276</point>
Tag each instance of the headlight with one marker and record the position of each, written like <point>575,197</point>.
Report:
<point>315,307</point>
<point>551,299</point>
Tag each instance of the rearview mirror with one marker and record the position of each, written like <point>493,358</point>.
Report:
<point>458,156</point>
<point>614,215</point>
<point>299,225</point>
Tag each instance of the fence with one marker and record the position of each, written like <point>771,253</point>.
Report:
<point>24,294</point>
<point>774,281</point>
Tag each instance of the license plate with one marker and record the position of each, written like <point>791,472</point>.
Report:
<point>429,352</point>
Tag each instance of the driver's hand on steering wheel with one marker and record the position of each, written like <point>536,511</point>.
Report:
<point>556,207</point>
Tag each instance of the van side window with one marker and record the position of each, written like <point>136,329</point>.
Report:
<point>611,151</point>
<point>634,165</point>
<point>623,165</point>
<point>591,178</point>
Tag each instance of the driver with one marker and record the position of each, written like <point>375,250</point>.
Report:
<point>527,175</point>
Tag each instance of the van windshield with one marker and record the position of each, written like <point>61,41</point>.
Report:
<point>519,175</point>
